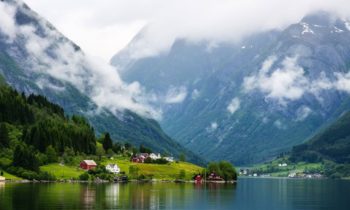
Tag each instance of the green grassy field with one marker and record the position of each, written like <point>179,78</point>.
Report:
<point>168,171</point>
<point>62,171</point>
<point>11,177</point>
<point>284,171</point>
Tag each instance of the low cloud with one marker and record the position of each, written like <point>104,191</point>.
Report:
<point>302,113</point>
<point>284,84</point>
<point>51,54</point>
<point>279,125</point>
<point>195,94</point>
<point>289,82</point>
<point>7,22</point>
<point>213,126</point>
<point>343,82</point>
<point>106,26</point>
<point>234,105</point>
<point>176,95</point>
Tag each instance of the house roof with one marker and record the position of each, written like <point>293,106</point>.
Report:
<point>90,162</point>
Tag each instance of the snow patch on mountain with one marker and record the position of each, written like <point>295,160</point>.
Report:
<point>306,29</point>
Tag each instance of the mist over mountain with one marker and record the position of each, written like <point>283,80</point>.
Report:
<point>36,58</point>
<point>250,100</point>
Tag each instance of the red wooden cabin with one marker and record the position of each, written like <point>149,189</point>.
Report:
<point>87,164</point>
<point>198,179</point>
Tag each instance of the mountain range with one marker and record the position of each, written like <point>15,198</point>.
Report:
<point>250,100</point>
<point>36,58</point>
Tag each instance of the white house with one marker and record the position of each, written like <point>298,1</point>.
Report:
<point>169,159</point>
<point>155,156</point>
<point>113,168</point>
<point>283,165</point>
<point>2,178</point>
<point>292,175</point>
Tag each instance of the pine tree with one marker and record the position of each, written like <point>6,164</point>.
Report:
<point>51,154</point>
<point>4,138</point>
<point>107,142</point>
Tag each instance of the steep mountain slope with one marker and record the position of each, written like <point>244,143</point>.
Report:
<point>331,143</point>
<point>36,58</point>
<point>249,101</point>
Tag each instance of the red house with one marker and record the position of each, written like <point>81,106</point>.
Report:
<point>87,164</point>
<point>198,179</point>
<point>140,158</point>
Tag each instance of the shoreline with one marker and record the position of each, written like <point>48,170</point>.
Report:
<point>129,181</point>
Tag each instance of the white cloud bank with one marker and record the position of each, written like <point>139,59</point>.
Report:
<point>102,27</point>
<point>283,84</point>
<point>7,23</point>
<point>91,76</point>
<point>289,82</point>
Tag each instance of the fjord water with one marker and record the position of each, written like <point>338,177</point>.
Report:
<point>249,193</point>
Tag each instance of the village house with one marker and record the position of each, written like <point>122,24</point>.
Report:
<point>155,156</point>
<point>140,158</point>
<point>283,165</point>
<point>113,168</point>
<point>144,155</point>
<point>244,172</point>
<point>137,159</point>
<point>2,178</point>
<point>88,164</point>
<point>197,178</point>
<point>214,177</point>
<point>169,159</point>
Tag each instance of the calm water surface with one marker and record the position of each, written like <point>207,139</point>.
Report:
<point>249,193</point>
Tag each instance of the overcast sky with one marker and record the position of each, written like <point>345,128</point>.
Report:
<point>103,27</point>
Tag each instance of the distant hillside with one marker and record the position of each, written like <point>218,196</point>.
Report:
<point>331,147</point>
<point>332,143</point>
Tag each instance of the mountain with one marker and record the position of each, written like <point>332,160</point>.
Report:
<point>36,58</point>
<point>249,101</point>
<point>331,143</point>
<point>330,147</point>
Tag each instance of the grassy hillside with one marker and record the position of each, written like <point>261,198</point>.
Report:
<point>11,177</point>
<point>168,171</point>
<point>330,148</point>
<point>62,171</point>
<point>273,169</point>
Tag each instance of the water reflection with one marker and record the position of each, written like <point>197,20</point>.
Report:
<point>112,195</point>
<point>2,187</point>
<point>88,196</point>
<point>247,194</point>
